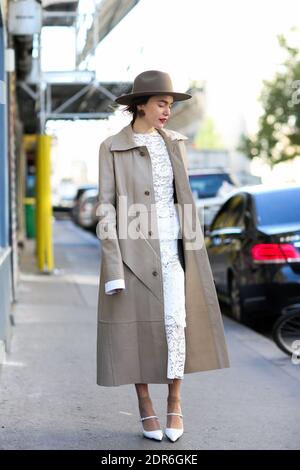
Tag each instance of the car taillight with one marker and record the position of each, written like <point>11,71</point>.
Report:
<point>274,253</point>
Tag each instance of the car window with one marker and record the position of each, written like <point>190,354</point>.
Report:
<point>207,185</point>
<point>278,207</point>
<point>220,220</point>
<point>231,215</point>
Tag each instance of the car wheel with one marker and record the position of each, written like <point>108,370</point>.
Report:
<point>235,299</point>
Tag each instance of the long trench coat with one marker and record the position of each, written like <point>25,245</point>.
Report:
<point>131,337</point>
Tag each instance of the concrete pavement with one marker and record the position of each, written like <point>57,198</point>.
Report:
<point>48,393</point>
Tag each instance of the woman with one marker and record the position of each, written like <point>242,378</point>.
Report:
<point>158,315</point>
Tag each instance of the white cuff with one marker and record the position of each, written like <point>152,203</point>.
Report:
<point>110,286</point>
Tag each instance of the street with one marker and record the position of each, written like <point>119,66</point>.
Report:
<point>49,398</point>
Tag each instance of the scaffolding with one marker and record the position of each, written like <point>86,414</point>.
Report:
<point>66,95</point>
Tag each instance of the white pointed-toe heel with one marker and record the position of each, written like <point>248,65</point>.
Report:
<point>173,434</point>
<point>157,435</point>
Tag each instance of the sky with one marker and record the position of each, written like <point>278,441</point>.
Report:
<point>230,44</point>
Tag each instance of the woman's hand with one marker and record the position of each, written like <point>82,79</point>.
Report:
<point>114,286</point>
<point>118,290</point>
<point>114,291</point>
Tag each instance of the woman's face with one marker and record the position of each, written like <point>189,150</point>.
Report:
<point>157,110</point>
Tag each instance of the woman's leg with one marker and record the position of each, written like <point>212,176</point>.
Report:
<point>174,406</point>
<point>174,388</point>
<point>146,407</point>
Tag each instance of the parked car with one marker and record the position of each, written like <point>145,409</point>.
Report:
<point>76,199</point>
<point>253,245</point>
<point>63,195</point>
<point>210,188</point>
<point>87,206</point>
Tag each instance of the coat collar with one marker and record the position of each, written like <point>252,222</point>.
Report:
<point>124,140</point>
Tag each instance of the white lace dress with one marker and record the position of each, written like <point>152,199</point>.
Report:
<point>168,229</point>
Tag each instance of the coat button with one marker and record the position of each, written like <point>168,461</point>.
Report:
<point>150,233</point>
<point>155,273</point>
<point>147,193</point>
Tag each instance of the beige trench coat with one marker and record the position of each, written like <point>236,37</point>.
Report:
<point>131,337</point>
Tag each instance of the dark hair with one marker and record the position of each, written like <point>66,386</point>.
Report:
<point>132,107</point>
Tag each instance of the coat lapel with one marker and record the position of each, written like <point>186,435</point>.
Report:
<point>124,140</point>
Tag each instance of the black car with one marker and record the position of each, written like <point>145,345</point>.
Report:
<point>253,245</point>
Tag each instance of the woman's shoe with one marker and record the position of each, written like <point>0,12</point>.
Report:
<point>156,434</point>
<point>173,434</point>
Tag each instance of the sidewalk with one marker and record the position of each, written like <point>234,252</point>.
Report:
<point>48,393</point>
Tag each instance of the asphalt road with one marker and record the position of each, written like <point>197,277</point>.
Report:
<point>48,393</point>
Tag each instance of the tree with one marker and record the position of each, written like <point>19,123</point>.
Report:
<point>278,137</point>
<point>207,136</point>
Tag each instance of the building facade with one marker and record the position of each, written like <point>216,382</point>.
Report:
<point>5,245</point>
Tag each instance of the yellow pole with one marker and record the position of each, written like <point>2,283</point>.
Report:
<point>43,205</point>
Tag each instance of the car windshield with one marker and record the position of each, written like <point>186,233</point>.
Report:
<point>208,185</point>
<point>278,207</point>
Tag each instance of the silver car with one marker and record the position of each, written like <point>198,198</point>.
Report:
<point>210,188</point>
<point>86,211</point>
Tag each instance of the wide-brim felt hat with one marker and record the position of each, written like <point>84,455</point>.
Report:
<point>152,82</point>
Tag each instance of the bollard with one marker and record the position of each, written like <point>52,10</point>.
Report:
<point>43,206</point>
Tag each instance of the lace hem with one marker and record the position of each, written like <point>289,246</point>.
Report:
<point>176,351</point>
